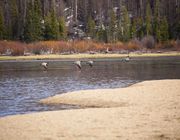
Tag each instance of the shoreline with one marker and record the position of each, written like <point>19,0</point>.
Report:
<point>146,110</point>
<point>86,56</point>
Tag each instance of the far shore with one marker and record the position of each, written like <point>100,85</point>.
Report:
<point>87,56</point>
<point>147,110</point>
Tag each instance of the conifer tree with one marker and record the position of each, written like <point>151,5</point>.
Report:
<point>91,27</point>
<point>47,26</point>
<point>148,20</point>
<point>112,27</point>
<point>29,25</point>
<point>164,30</point>
<point>120,30</point>
<point>51,27</point>
<point>14,19</point>
<point>62,28</point>
<point>177,31</point>
<point>8,31</point>
<point>33,26</point>
<point>2,27</point>
<point>140,28</point>
<point>156,21</point>
<point>133,29</point>
<point>37,19</point>
<point>126,25</point>
<point>54,26</point>
<point>102,34</point>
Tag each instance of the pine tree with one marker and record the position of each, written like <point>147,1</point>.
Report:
<point>148,20</point>
<point>126,24</point>
<point>14,19</point>
<point>133,29</point>
<point>140,28</point>
<point>33,26</point>
<point>47,26</point>
<point>176,33</point>
<point>8,31</point>
<point>54,26</point>
<point>29,25</point>
<point>156,21</point>
<point>37,19</point>
<point>164,30</point>
<point>91,27</point>
<point>102,34</point>
<point>51,27</point>
<point>2,27</point>
<point>112,27</point>
<point>62,28</point>
<point>120,30</point>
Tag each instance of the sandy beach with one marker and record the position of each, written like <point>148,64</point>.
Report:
<point>147,110</point>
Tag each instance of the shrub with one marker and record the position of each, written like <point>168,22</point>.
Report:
<point>34,49</point>
<point>80,46</point>
<point>95,46</point>
<point>115,46</point>
<point>148,42</point>
<point>177,46</point>
<point>11,48</point>
<point>134,45</point>
<point>2,47</point>
<point>16,48</point>
<point>119,46</point>
<point>170,45</point>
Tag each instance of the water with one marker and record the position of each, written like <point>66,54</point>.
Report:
<point>24,83</point>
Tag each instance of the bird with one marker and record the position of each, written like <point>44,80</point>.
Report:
<point>78,64</point>
<point>127,58</point>
<point>90,63</point>
<point>107,50</point>
<point>44,65</point>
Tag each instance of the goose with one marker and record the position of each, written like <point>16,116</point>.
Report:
<point>107,50</point>
<point>90,63</point>
<point>127,58</point>
<point>78,64</point>
<point>44,65</point>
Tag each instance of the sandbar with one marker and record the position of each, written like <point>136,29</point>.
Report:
<point>146,110</point>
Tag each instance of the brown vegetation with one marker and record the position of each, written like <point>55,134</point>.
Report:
<point>169,45</point>
<point>15,48</point>
<point>12,48</point>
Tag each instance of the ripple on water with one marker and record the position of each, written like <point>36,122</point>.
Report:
<point>20,90</point>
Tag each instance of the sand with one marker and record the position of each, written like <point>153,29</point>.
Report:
<point>147,110</point>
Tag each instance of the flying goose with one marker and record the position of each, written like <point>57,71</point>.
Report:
<point>90,63</point>
<point>44,65</point>
<point>78,64</point>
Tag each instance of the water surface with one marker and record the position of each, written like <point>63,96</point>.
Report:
<point>24,83</point>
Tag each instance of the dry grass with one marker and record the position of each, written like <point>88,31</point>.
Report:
<point>169,45</point>
<point>134,45</point>
<point>14,48</point>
